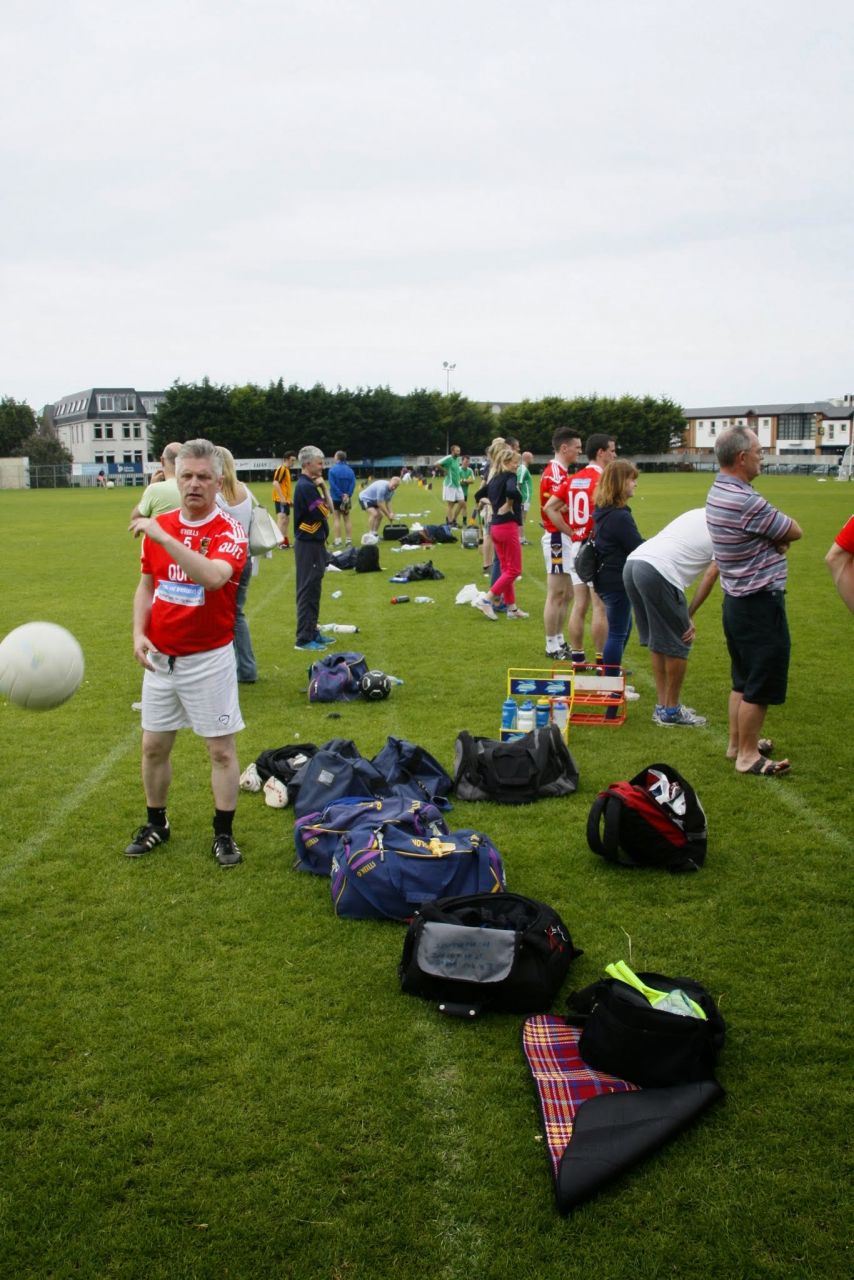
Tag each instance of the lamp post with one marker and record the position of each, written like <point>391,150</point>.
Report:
<point>448,368</point>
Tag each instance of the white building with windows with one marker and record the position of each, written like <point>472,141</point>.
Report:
<point>106,428</point>
<point>819,428</point>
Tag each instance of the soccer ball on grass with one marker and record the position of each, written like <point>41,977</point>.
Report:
<point>375,685</point>
<point>41,665</point>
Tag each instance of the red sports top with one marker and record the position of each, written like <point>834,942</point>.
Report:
<point>577,493</point>
<point>185,618</point>
<point>552,478</point>
<point>845,537</point>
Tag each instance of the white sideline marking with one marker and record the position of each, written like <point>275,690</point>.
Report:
<point>28,848</point>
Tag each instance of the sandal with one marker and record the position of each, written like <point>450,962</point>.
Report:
<point>767,768</point>
<point>764,746</point>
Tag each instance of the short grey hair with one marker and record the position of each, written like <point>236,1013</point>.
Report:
<point>731,443</point>
<point>200,448</point>
<point>308,453</point>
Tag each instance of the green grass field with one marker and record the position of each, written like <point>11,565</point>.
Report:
<point>206,1074</point>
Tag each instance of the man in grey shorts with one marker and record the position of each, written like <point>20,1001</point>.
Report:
<point>656,577</point>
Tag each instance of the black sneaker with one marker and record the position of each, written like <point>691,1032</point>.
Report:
<point>560,655</point>
<point>226,851</point>
<point>146,839</point>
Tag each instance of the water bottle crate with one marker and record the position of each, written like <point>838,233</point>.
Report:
<point>538,685</point>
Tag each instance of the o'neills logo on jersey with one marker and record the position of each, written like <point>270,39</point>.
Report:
<point>204,546</point>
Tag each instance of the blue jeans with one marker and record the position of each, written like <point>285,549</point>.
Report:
<point>246,668</point>
<point>619,610</point>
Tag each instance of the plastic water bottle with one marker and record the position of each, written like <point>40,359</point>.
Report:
<point>339,628</point>
<point>424,600</point>
<point>525,718</point>
<point>560,713</point>
<point>508,714</point>
<point>400,600</point>
<point>541,718</point>
<point>336,595</point>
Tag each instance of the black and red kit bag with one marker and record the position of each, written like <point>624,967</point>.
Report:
<point>654,820</point>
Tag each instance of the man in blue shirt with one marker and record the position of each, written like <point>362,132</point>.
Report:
<point>376,501</point>
<point>342,486</point>
<point>750,540</point>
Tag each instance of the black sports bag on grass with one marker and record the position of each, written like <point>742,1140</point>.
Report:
<point>487,951</point>
<point>654,820</point>
<point>536,765</point>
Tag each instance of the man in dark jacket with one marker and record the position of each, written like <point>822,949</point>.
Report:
<point>311,529</point>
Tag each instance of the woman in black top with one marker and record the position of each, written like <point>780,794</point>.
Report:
<point>616,536</point>
<point>506,506</point>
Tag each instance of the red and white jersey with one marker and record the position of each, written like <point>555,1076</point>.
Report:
<point>576,493</point>
<point>552,478</point>
<point>185,618</point>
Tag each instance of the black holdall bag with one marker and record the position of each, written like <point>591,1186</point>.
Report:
<point>654,820</point>
<point>626,1036</point>
<point>487,951</point>
<point>394,532</point>
<point>368,558</point>
<point>532,767</point>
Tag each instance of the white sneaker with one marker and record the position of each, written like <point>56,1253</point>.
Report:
<point>682,716</point>
<point>516,612</point>
<point>250,779</point>
<point>337,542</point>
<point>632,694</point>
<point>484,603</point>
<point>275,793</point>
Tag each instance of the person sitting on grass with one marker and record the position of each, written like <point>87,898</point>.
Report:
<point>506,506</point>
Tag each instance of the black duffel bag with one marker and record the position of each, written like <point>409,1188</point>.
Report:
<point>486,951</point>
<point>536,765</point>
<point>626,1036</point>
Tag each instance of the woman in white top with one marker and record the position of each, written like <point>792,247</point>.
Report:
<point>238,501</point>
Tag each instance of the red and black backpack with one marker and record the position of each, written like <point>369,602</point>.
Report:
<point>655,820</point>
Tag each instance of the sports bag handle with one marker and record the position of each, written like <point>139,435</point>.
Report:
<point>606,842</point>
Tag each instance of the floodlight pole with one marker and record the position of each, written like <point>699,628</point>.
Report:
<point>448,369</point>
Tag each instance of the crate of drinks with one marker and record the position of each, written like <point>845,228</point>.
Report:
<point>536,697</point>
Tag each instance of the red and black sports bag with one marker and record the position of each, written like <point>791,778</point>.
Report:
<point>655,820</point>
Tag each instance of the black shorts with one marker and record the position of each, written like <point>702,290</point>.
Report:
<point>282,508</point>
<point>757,636</point>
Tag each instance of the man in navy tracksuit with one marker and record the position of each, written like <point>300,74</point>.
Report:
<point>311,529</point>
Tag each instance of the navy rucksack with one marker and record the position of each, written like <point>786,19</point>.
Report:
<point>337,677</point>
<point>411,771</point>
<point>336,770</point>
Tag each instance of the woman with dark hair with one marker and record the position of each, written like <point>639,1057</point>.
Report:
<point>616,536</point>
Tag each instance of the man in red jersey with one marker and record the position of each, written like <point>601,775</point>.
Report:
<point>183,629</point>
<point>570,509</point>
<point>557,546</point>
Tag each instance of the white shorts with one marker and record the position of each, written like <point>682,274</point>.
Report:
<point>199,692</point>
<point>452,493</point>
<point>559,553</point>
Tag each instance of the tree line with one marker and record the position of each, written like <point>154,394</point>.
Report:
<point>372,423</point>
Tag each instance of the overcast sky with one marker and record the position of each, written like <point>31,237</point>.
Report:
<point>645,196</point>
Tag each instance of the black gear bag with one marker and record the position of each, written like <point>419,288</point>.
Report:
<point>487,951</point>
<point>626,1036</point>
<point>655,820</point>
<point>528,768</point>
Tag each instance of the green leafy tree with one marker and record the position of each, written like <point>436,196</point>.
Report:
<point>191,410</point>
<point>17,423</point>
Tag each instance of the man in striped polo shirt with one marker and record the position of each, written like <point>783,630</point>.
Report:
<point>750,540</point>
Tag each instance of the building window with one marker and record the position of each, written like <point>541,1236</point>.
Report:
<point>126,433</point>
<point>137,432</point>
<point>98,434</point>
<point>108,431</point>
<point>110,457</point>
<point>137,457</point>
<point>126,457</point>
<point>830,431</point>
<point>795,426</point>
<point>99,457</point>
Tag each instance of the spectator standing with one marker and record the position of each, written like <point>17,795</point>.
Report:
<point>376,501</point>
<point>840,562</point>
<point>283,496</point>
<point>452,490</point>
<point>237,501</point>
<point>750,540</point>
<point>656,577</point>
<point>501,490</point>
<point>617,536</point>
<point>342,486</point>
<point>183,628</point>
<point>557,542</point>
<point>526,488</point>
<point>466,479</point>
<point>162,495</point>
<point>311,529</point>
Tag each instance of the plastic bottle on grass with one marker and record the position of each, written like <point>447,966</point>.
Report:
<point>424,600</point>
<point>400,600</point>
